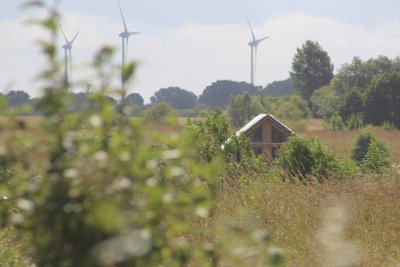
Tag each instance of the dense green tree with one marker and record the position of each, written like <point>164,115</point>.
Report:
<point>359,74</point>
<point>324,102</point>
<point>352,104</point>
<point>219,93</point>
<point>311,69</point>
<point>383,100</point>
<point>242,108</point>
<point>85,100</point>
<point>279,88</point>
<point>291,107</point>
<point>288,107</point>
<point>348,91</point>
<point>176,97</point>
<point>17,97</point>
<point>136,99</point>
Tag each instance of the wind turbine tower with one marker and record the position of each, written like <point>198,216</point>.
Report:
<point>253,55</point>
<point>68,56</point>
<point>125,41</point>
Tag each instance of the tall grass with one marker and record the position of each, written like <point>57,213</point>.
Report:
<point>295,215</point>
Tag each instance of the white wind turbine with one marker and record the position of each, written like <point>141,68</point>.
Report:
<point>125,41</point>
<point>68,56</point>
<point>253,46</point>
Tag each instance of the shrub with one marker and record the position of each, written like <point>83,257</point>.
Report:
<point>360,150</point>
<point>159,113</point>
<point>305,158</point>
<point>336,123</point>
<point>377,157</point>
<point>369,153</point>
<point>211,132</point>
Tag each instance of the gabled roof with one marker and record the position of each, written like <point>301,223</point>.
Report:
<point>258,119</point>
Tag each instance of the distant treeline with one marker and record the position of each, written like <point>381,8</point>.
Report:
<point>217,95</point>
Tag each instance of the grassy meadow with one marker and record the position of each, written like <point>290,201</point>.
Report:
<point>349,222</point>
<point>354,221</point>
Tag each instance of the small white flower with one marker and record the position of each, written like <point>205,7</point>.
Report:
<point>3,150</point>
<point>177,171</point>
<point>101,156</point>
<point>202,212</point>
<point>122,184</point>
<point>171,154</point>
<point>125,156</point>
<point>71,173</point>
<point>168,197</point>
<point>96,121</point>
<point>152,182</point>
<point>25,205</point>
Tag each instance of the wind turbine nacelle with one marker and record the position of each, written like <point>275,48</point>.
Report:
<point>253,43</point>
<point>67,46</point>
<point>127,34</point>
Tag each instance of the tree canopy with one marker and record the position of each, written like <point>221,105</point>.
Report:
<point>219,93</point>
<point>362,92</point>
<point>136,99</point>
<point>311,69</point>
<point>176,97</point>
<point>383,100</point>
<point>279,88</point>
<point>17,97</point>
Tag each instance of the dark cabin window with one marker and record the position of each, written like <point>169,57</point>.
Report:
<point>258,151</point>
<point>277,136</point>
<point>257,135</point>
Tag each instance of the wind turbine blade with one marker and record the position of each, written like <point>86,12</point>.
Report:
<point>122,15</point>
<point>74,38</point>
<point>252,33</point>
<point>262,39</point>
<point>65,37</point>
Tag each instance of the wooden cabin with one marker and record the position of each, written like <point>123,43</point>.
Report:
<point>267,134</point>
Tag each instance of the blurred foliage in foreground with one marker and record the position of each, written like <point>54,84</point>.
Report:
<point>80,190</point>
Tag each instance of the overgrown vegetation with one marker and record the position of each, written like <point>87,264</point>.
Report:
<point>101,195</point>
<point>306,159</point>
<point>100,188</point>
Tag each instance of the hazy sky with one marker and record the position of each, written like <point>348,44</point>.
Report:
<point>192,44</point>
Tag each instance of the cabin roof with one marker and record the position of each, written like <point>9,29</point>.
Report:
<point>258,119</point>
